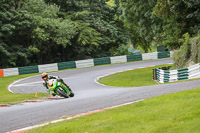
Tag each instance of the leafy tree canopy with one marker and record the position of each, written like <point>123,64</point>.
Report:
<point>37,31</point>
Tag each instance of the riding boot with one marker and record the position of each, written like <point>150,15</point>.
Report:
<point>54,93</point>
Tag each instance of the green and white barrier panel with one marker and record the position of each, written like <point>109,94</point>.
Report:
<point>10,72</point>
<point>66,65</point>
<point>191,72</point>
<point>84,63</point>
<point>171,53</point>
<point>28,69</point>
<point>102,61</point>
<point>81,63</point>
<point>194,71</point>
<point>48,67</point>
<point>118,59</point>
<point>150,56</point>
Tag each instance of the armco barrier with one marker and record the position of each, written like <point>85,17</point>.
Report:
<point>28,69</point>
<point>102,61</point>
<point>66,65</point>
<point>1,73</point>
<point>85,63</point>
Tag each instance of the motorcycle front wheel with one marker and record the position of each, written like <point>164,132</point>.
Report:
<point>71,94</point>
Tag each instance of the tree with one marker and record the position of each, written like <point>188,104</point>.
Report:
<point>138,17</point>
<point>96,20</point>
<point>179,17</point>
<point>12,43</point>
<point>33,34</point>
<point>37,32</point>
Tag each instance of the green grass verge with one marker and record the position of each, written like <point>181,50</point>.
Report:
<point>172,113</point>
<point>7,97</point>
<point>132,78</point>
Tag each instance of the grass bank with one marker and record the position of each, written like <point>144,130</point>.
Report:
<point>172,113</point>
<point>132,78</point>
<point>7,97</point>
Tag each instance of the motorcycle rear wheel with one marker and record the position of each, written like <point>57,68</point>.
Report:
<point>62,93</point>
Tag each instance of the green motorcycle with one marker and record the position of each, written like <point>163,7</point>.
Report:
<point>60,89</point>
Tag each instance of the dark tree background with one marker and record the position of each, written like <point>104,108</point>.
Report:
<point>46,31</point>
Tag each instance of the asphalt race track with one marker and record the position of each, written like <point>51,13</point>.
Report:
<point>89,95</point>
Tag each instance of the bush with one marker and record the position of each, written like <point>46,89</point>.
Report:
<point>189,52</point>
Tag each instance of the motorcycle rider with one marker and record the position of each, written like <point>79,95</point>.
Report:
<point>46,79</point>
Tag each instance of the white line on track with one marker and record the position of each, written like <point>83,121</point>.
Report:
<point>17,82</point>
<point>29,84</point>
